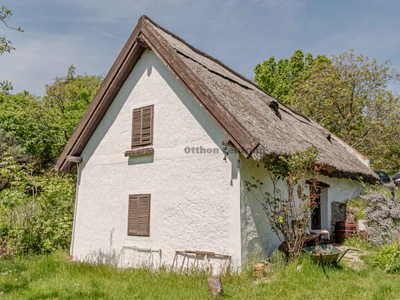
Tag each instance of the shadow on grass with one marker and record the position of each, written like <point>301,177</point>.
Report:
<point>24,288</point>
<point>326,267</point>
<point>73,295</point>
<point>8,288</point>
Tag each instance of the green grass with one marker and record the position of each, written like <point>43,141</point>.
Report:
<point>359,243</point>
<point>54,277</point>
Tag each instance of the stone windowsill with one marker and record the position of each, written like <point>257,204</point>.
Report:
<point>140,151</point>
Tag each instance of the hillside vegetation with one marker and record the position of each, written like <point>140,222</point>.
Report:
<point>36,203</point>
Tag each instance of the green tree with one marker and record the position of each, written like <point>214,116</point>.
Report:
<point>5,45</point>
<point>36,129</point>
<point>6,87</point>
<point>63,105</point>
<point>347,94</point>
<point>20,133</point>
<point>278,78</point>
<point>36,204</point>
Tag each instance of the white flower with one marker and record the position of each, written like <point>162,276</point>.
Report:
<point>16,279</point>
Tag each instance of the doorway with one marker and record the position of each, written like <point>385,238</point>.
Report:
<point>316,214</point>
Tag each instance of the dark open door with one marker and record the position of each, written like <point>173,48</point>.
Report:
<point>316,217</point>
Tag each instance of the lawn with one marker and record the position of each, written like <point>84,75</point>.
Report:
<point>55,277</point>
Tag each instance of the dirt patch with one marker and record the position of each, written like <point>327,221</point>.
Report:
<point>352,258</point>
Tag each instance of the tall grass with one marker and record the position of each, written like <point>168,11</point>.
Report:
<point>54,277</point>
<point>360,243</point>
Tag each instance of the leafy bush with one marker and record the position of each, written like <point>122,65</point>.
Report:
<point>36,212</point>
<point>386,258</point>
<point>383,217</point>
<point>360,215</point>
<point>36,205</point>
<point>7,251</point>
<point>358,202</point>
<point>35,129</point>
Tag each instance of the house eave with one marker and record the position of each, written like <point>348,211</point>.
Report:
<point>141,39</point>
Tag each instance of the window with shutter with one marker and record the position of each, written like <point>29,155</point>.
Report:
<point>139,215</point>
<point>142,126</point>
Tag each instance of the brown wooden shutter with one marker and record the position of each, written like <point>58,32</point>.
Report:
<point>142,126</point>
<point>139,215</point>
<point>133,215</point>
<point>136,127</point>
<point>144,215</point>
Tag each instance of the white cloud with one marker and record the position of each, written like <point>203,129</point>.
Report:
<point>38,60</point>
<point>90,33</point>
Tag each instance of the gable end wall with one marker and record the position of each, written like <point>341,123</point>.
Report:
<point>195,202</point>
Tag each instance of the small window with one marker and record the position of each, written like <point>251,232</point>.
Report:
<point>139,215</point>
<point>142,126</point>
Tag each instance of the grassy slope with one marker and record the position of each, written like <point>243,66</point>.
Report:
<point>54,277</point>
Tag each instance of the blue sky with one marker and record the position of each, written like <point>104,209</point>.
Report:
<point>90,34</point>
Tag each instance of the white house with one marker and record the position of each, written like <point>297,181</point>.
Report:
<point>150,156</point>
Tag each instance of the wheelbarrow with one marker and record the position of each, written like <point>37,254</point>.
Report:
<point>327,253</point>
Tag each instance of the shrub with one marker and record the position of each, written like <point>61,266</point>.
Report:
<point>36,212</point>
<point>358,202</point>
<point>386,258</point>
<point>360,215</point>
<point>383,217</point>
<point>7,251</point>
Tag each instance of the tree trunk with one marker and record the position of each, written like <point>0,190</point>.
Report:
<point>215,285</point>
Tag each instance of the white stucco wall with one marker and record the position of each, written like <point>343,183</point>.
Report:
<point>198,201</point>
<point>257,237</point>
<point>340,190</point>
<point>195,198</point>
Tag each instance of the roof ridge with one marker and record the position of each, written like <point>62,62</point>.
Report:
<point>212,71</point>
<point>244,121</point>
<point>222,65</point>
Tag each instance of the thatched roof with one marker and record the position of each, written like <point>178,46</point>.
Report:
<point>257,124</point>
